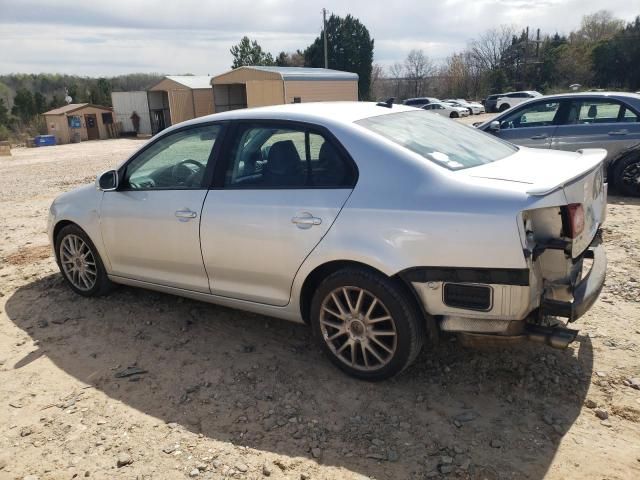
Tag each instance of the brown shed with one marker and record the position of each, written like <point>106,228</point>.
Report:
<point>178,98</point>
<point>258,86</point>
<point>79,121</point>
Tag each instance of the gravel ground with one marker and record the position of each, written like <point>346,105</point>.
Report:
<point>220,393</point>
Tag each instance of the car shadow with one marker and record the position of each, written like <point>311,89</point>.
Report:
<point>260,382</point>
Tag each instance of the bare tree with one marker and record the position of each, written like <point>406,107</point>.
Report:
<point>489,49</point>
<point>598,26</point>
<point>377,77</point>
<point>396,71</point>
<point>418,67</point>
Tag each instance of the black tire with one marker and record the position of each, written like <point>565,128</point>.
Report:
<point>454,115</point>
<point>626,175</point>
<point>102,284</point>
<point>470,112</point>
<point>503,107</point>
<point>407,322</point>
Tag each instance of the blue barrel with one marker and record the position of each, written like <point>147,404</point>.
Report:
<point>45,140</point>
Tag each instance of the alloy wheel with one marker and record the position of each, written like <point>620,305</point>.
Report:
<point>358,328</point>
<point>78,262</point>
<point>631,175</point>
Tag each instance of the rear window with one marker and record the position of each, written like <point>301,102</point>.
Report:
<point>440,140</point>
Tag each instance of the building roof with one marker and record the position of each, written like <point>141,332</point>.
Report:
<point>72,107</point>
<point>303,73</point>
<point>192,81</point>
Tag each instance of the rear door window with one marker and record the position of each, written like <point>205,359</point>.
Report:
<point>272,157</point>
<point>593,111</point>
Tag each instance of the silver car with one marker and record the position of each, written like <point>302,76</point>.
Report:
<point>580,120</point>
<point>378,225</point>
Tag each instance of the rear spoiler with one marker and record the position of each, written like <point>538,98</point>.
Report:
<point>592,158</point>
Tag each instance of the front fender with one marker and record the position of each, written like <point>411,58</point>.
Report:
<point>82,207</point>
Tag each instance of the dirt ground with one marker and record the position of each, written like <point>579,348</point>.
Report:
<point>227,394</point>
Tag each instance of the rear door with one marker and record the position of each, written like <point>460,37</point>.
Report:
<point>532,125</point>
<point>277,191</point>
<point>597,123</point>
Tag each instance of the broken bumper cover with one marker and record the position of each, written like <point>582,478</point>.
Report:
<point>585,292</point>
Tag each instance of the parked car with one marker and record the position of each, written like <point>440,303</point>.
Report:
<point>512,99</point>
<point>573,121</point>
<point>376,224</point>
<point>491,102</point>
<point>419,102</point>
<point>446,110</point>
<point>474,108</point>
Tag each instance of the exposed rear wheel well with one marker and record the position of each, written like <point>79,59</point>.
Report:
<point>321,272</point>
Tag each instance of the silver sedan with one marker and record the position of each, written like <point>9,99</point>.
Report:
<point>378,225</point>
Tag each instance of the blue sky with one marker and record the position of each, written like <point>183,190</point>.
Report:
<point>123,36</point>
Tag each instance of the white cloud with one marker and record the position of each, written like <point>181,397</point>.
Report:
<point>120,36</point>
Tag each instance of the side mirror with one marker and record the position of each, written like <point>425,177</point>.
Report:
<point>494,126</point>
<point>107,181</point>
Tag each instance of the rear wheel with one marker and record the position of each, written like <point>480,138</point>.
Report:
<point>626,175</point>
<point>80,263</point>
<point>454,115</point>
<point>503,107</point>
<point>367,326</point>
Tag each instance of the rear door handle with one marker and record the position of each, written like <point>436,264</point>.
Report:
<point>186,214</point>
<point>618,132</point>
<point>306,220</point>
<point>542,136</point>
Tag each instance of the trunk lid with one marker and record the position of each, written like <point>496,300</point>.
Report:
<point>541,172</point>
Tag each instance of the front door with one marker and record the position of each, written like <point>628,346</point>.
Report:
<point>280,191</point>
<point>532,125</point>
<point>151,223</point>
<point>92,126</point>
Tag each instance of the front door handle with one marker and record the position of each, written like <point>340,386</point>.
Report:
<point>542,136</point>
<point>618,132</point>
<point>306,220</point>
<point>186,214</point>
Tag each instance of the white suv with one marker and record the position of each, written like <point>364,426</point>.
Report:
<point>515,98</point>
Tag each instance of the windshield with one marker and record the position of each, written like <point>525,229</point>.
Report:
<point>440,140</point>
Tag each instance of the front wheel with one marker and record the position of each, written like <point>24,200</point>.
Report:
<point>626,176</point>
<point>503,107</point>
<point>454,115</point>
<point>367,326</point>
<point>80,263</point>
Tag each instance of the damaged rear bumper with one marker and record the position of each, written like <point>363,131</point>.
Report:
<point>585,292</point>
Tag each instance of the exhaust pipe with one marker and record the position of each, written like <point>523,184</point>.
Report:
<point>556,337</point>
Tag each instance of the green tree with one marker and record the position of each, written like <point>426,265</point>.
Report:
<point>349,48</point>
<point>4,113</point>
<point>24,106</point>
<point>40,102</point>
<point>248,52</point>
<point>616,62</point>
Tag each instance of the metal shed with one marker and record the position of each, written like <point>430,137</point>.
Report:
<point>258,86</point>
<point>124,106</point>
<point>178,98</point>
<point>79,121</point>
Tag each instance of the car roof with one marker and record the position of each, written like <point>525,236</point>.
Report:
<point>312,112</point>
<point>619,95</point>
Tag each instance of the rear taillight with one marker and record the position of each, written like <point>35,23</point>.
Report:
<point>575,223</point>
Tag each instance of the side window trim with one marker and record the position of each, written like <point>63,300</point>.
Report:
<point>211,161</point>
<point>235,129</point>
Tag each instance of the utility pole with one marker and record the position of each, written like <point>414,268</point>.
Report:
<point>324,35</point>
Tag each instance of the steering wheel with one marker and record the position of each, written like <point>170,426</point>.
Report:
<point>186,171</point>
